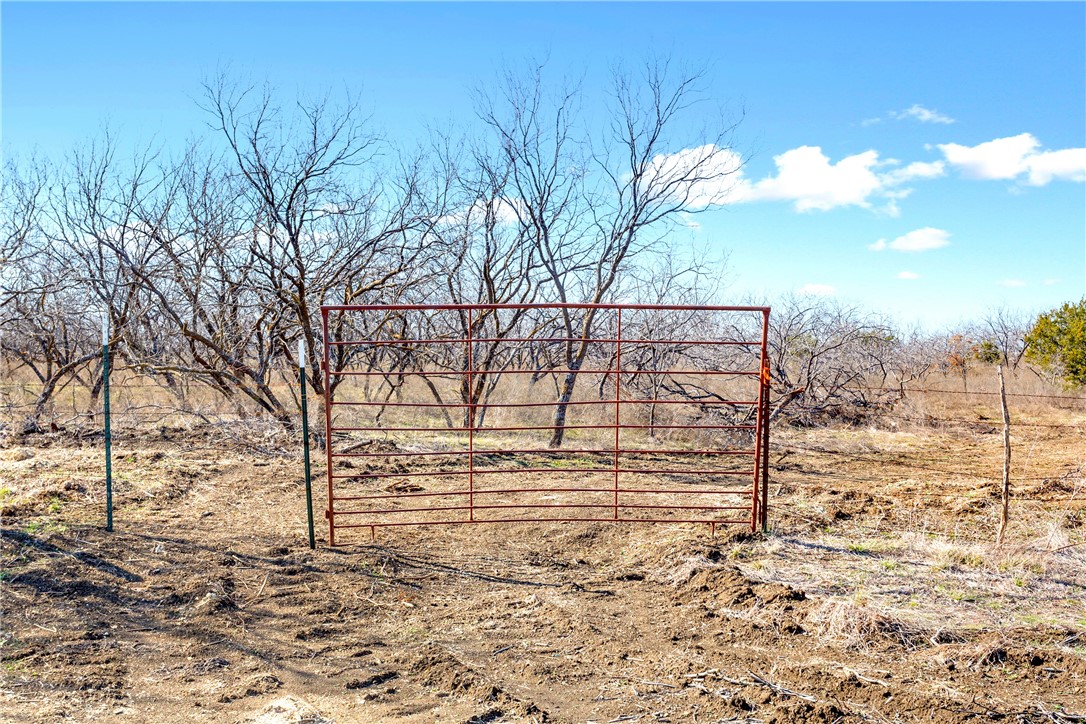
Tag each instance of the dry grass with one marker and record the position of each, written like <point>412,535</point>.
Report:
<point>889,524</point>
<point>888,532</point>
<point>854,623</point>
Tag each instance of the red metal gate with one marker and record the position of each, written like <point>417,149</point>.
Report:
<point>440,414</point>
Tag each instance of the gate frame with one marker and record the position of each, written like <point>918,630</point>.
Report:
<point>760,479</point>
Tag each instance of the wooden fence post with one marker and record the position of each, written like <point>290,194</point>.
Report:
<point>1005,511</point>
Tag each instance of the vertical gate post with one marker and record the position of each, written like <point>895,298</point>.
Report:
<point>305,445</point>
<point>764,462</point>
<point>329,513</point>
<point>105,411</point>
<point>759,410</point>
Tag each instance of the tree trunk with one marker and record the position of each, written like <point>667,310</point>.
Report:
<point>437,396</point>
<point>652,419</point>
<point>33,421</point>
<point>560,409</point>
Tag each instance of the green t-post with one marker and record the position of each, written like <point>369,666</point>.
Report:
<point>305,444</point>
<point>105,397</point>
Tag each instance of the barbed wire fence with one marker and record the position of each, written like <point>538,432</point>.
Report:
<point>1060,489</point>
<point>147,409</point>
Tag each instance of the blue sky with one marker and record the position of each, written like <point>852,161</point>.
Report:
<point>925,160</point>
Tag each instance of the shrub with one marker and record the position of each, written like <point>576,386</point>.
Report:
<point>1057,342</point>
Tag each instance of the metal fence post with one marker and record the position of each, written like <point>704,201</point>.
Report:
<point>305,445</point>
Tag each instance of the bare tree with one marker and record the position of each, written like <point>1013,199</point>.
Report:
<point>47,330</point>
<point>45,323</point>
<point>829,360</point>
<point>914,355</point>
<point>1004,331</point>
<point>23,196</point>
<point>332,226</point>
<point>666,339</point>
<point>210,265</point>
<point>489,262</point>
<point>92,214</point>
<point>593,207</point>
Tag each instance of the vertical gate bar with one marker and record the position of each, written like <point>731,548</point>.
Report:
<point>618,397</point>
<point>764,381</point>
<point>471,420</point>
<point>329,513</point>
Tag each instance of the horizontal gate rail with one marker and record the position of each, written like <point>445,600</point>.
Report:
<point>468,373</point>
<point>537,451</point>
<point>594,340</point>
<point>434,415</point>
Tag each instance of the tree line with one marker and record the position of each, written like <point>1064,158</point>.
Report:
<point>211,264</point>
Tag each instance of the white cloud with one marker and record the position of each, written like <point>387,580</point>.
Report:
<point>924,239</point>
<point>892,196</point>
<point>504,211</point>
<point>1068,164</point>
<point>1014,156</point>
<point>891,209</point>
<point>689,222</point>
<point>922,114</point>
<point>1003,158</point>
<point>717,171</point>
<point>1050,282</point>
<point>817,290</point>
<point>812,182</point>
<point>907,275</point>
<point>1012,283</point>
<point>915,170</point>
<point>806,176</point>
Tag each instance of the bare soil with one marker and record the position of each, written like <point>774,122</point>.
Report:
<point>877,595</point>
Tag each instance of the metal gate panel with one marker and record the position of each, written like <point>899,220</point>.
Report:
<point>439,414</point>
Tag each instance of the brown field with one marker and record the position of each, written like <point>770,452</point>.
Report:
<point>878,593</point>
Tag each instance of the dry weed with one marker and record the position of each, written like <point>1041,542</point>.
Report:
<point>681,573</point>
<point>859,625</point>
<point>990,651</point>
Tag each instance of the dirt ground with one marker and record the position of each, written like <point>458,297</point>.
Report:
<point>877,594</point>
